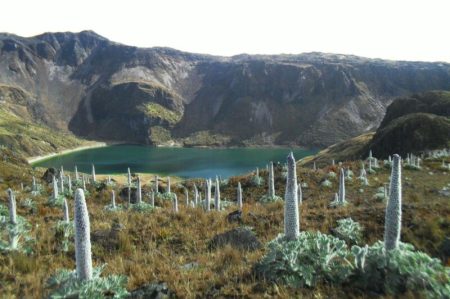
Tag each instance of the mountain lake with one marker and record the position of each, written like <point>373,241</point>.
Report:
<point>180,162</point>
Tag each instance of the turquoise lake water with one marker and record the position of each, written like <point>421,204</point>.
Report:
<point>183,162</point>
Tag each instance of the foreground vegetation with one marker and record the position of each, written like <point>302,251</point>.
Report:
<point>176,248</point>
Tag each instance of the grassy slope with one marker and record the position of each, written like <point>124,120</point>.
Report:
<point>31,139</point>
<point>343,151</point>
<point>20,133</point>
<point>153,248</point>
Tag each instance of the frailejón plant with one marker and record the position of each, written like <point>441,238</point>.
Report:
<point>77,176</point>
<point>217,195</point>
<point>175,203</point>
<point>300,194</point>
<point>139,191</point>
<point>393,217</point>
<point>83,255</point>
<point>349,231</point>
<point>271,180</point>
<point>55,188</point>
<point>66,218</point>
<point>342,187</point>
<point>61,181</point>
<point>168,185</point>
<point>208,195</point>
<point>94,178</point>
<point>156,188</point>
<point>152,198</point>
<point>195,195</point>
<point>239,196</point>
<point>113,199</point>
<point>291,213</point>
<point>69,184</point>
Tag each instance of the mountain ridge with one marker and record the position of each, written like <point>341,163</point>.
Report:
<point>310,99</point>
<point>237,56</point>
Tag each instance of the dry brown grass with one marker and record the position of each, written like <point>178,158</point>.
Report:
<point>156,246</point>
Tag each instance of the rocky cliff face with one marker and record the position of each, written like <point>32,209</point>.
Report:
<point>103,90</point>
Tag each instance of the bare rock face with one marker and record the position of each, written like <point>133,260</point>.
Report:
<point>96,88</point>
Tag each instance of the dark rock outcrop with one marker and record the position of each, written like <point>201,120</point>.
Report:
<point>235,216</point>
<point>124,194</point>
<point>241,238</point>
<point>108,238</point>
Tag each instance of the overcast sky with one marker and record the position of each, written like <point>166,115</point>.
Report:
<point>389,29</point>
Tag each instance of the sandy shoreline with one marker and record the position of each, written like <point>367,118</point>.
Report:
<point>120,178</point>
<point>67,151</point>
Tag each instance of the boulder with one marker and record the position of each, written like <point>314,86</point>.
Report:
<point>124,194</point>
<point>235,216</point>
<point>49,173</point>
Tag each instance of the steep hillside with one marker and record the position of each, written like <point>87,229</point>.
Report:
<point>19,130</point>
<point>433,102</point>
<point>412,124</point>
<point>84,83</point>
<point>412,133</point>
<point>342,151</point>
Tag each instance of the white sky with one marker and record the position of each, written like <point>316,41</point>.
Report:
<point>390,29</point>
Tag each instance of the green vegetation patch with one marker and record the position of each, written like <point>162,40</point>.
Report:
<point>206,138</point>
<point>160,135</point>
<point>31,139</point>
<point>64,284</point>
<point>158,111</point>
